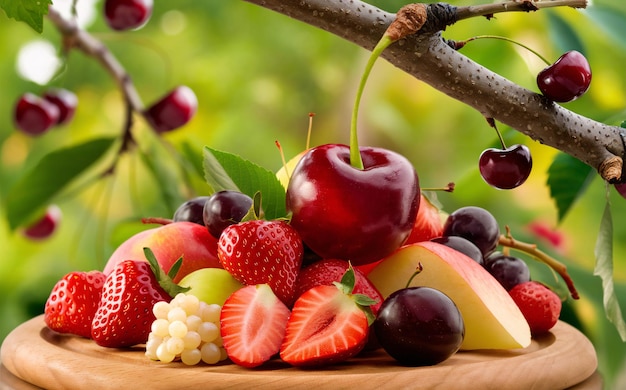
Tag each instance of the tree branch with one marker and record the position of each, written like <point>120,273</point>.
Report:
<point>431,59</point>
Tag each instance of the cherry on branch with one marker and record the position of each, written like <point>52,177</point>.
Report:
<point>124,15</point>
<point>173,110</point>
<point>65,100</point>
<point>567,79</point>
<point>34,115</point>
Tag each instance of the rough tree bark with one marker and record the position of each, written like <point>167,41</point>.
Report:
<point>428,57</point>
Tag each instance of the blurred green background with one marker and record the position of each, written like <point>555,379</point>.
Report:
<point>257,76</point>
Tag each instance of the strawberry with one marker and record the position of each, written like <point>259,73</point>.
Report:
<point>124,316</point>
<point>540,306</point>
<point>73,302</point>
<point>259,251</point>
<point>328,271</point>
<point>328,324</point>
<point>252,325</point>
<point>428,223</point>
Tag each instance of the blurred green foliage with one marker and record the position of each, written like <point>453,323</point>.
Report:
<point>257,76</point>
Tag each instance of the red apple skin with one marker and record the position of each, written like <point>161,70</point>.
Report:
<point>169,242</point>
<point>351,214</point>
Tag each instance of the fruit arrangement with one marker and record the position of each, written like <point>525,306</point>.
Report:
<point>337,253</point>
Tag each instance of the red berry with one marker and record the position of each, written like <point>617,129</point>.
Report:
<point>66,101</point>
<point>259,251</point>
<point>540,306</point>
<point>505,168</point>
<point>173,110</point>
<point>73,302</point>
<point>252,324</point>
<point>325,272</point>
<point>567,79</point>
<point>124,316</point>
<point>45,226</point>
<point>34,115</point>
<point>127,14</point>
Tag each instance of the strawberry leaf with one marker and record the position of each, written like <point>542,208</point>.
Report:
<point>568,178</point>
<point>30,12</point>
<point>226,171</point>
<point>604,269</point>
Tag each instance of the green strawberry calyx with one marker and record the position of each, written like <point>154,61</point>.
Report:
<point>364,302</point>
<point>165,280</point>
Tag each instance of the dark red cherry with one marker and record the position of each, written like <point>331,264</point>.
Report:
<point>45,226</point>
<point>173,110</point>
<point>127,14</point>
<point>567,79</point>
<point>34,115</point>
<point>505,168</point>
<point>66,101</point>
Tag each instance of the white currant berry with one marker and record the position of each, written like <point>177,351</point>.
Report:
<point>191,357</point>
<point>175,345</point>
<point>208,332</point>
<point>211,353</point>
<point>177,314</point>
<point>160,327</point>
<point>160,309</point>
<point>177,329</point>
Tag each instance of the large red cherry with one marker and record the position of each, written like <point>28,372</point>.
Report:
<point>567,79</point>
<point>506,168</point>
<point>349,213</point>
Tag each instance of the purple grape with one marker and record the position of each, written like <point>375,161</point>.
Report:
<point>225,208</point>
<point>475,224</point>
<point>508,270</point>
<point>191,211</point>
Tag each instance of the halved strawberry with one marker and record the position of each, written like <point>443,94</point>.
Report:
<point>124,316</point>
<point>73,303</point>
<point>259,251</point>
<point>428,223</point>
<point>328,271</point>
<point>252,325</point>
<point>328,324</point>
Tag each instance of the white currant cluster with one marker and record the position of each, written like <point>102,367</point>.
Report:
<point>186,329</point>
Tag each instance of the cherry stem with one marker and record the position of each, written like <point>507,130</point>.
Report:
<point>156,221</point>
<point>309,131</point>
<point>463,43</point>
<point>418,270</point>
<point>448,188</point>
<point>282,157</point>
<point>355,154</point>
<point>507,240</point>
<point>492,123</point>
<point>409,20</point>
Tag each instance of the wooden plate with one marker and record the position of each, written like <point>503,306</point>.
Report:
<point>33,354</point>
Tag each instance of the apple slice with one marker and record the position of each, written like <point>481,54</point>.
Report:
<point>492,319</point>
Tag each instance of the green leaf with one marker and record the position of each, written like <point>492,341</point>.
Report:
<point>564,36</point>
<point>568,178</point>
<point>604,269</point>
<point>50,176</point>
<point>163,172</point>
<point>611,20</point>
<point>226,171</point>
<point>30,12</point>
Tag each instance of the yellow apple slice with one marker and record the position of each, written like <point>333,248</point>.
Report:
<point>492,319</point>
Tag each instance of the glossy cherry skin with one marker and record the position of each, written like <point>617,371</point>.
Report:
<point>419,326</point>
<point>127,14</point>
<point>353,214</point>
<point>173,110</point>
<point>567,79</point>
<point>45,226</point>
<point>66,101</point>
<point>34,115</point>
<point>505,168</point>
